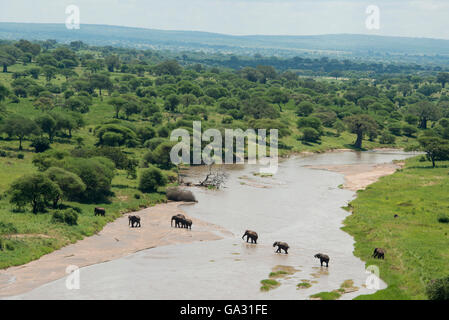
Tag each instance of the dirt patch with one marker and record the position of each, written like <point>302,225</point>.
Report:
<point>116,240</point>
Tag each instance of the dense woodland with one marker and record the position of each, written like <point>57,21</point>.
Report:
<point>83,126</point>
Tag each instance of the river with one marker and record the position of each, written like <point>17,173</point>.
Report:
<point>299,205</point>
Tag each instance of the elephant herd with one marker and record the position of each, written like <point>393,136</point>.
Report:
<point>281,246</point>
<point>182,222</point>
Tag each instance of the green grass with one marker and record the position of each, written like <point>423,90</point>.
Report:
<point>269,284</point>
<point>416,243</point>
<point>333,295</point>
<point>304,285</point>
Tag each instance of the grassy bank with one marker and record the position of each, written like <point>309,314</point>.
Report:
<point>416,242</point>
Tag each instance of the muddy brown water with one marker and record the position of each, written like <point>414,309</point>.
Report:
<point>299,205</point>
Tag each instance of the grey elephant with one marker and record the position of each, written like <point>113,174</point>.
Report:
<point>323,258</point>
<point>178,220</point>
<point>250,235</point>
<point>134,221</point>
<point>281,245</point>
<point>379,253</point>
<point>186,223</point>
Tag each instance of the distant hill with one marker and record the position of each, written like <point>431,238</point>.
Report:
<point>342,44</point>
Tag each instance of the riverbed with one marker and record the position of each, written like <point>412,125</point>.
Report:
<point>301,205</point>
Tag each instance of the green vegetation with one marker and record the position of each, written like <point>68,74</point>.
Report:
<point>333,295</point>
<point>416,241</point>
<point>84,126</point>
<point>305,284</point>
<point>269,284</point>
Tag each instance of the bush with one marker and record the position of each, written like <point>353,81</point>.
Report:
<point>310,122</point>
<point>178,194</point>
<point>69,217</point>
<point>20,156</point>
<point>387,138</point>
<point>409,130</point>
<point>40,144</point>
<point>438,289</point>
<point>395,128</point>
<point>310,135</point>
<point>443,218</point>
<point>151,179</point>
<point>7,228</point>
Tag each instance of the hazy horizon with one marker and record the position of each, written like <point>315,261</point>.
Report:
<point>402,18</point>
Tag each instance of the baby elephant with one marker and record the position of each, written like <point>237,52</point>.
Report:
<point>250,235</point>
<point>323,258</point>
<point>379,253</point>
<point>100,211</point>
<point>186,223</point>
<point>281,245</point>
<point>134,221</point>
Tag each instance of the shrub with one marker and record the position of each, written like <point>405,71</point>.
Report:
<point>151,179</point>
<point>395,128</point>
<point>20,156</point>
<point>154,143</point>
<point>40,144</point>
<point>310,122</point>
<point>438,289</point>
<point>387,138</point>
<point>409,130</point>
<point>178,194</point>
<point>7,228</point>
<point>69,217</point>
<point>443,218</point>
<point>310,135</point>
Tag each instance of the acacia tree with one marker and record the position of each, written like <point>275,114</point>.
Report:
<point>118,103</point>
<point>425,111</point>
<point>360,124</point>
<point>436,149</point>
<point>48,125</point>
<point>443,78</point>
<point>35,189</point>
<point>20,127</point>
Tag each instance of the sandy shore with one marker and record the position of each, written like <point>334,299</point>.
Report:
<point>359,176</point>
<point>116,240</point>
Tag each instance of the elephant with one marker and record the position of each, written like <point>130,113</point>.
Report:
<point>178,220</point>
<point>100,211</point>
<point>323,258</point>
<point>187,223</point>
<point>379,253</point>
<point>134,221</point>
<point>250,235</point>
<point>281,245</point>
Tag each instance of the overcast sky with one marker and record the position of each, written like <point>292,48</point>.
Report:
<point>414,18</point>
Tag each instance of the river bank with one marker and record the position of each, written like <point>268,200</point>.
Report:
<point>416,240</point>
<point>116,240</point>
